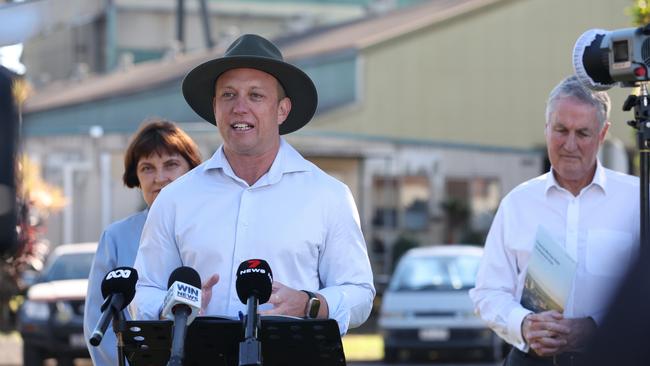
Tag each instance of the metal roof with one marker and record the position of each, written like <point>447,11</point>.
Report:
<point>351,36</point>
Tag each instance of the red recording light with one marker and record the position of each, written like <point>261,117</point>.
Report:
<point>640,71</point>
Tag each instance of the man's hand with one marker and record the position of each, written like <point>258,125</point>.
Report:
<point>286,301</point>
<point>546,333</point>
<point>581,330</point>
<point>206,292</point>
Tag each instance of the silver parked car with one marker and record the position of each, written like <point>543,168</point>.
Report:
<point>50,320</point>
<point>426,311</point>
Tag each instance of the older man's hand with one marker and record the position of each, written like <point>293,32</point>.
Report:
<point>581,330</point>
<point>546,333</point>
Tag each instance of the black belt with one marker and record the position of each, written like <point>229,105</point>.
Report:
<point>562,359</point>
<point>567,359</point>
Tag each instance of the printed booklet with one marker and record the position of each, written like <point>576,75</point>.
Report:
<point>550,275</point>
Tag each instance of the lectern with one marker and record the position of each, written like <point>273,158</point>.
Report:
<point>214,341</point>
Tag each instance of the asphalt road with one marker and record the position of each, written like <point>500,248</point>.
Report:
<point>11,351</point>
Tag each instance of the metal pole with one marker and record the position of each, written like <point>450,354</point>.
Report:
<point>205,20</point>
<point>180,26</point>
<point>644,150</point>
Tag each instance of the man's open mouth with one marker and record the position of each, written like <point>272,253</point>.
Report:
<point>241,126</point>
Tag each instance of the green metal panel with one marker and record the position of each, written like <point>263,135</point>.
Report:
<point>141,55</point>
<point>334,77</point>
<point>399,3</point>
<point>118,114</point>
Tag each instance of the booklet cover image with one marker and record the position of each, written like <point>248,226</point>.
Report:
<point>549,276</point>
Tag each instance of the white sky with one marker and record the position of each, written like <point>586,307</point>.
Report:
<point>10,58</point>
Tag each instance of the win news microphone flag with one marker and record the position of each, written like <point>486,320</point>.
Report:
<point>182,304</point>
<point>118,289</point>
<point>184,288</point>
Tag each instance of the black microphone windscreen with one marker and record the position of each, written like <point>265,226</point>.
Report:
<point>254,277</point>
<point>186,275</point>
<point>121,280</point>
<point>590,62</point>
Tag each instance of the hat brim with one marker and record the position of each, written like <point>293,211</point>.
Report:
<point>198,87</point>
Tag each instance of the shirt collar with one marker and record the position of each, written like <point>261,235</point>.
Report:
<point>288,160</point>
<point>600,179</point>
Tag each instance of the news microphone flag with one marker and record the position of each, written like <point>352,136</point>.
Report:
<point>184,290</point>
<point>118,289</point>
<point>254,278</point>
<point>120,280</point>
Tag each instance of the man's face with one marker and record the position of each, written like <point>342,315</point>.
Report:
<point>248,111</point>
<point>572,139</point>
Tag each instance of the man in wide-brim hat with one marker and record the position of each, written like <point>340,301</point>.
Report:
<point>257,197</point>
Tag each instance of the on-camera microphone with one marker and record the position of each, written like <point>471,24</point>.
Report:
<point>182,304</point>
<point>590,65</point>
<point>254,284</point>
<point>118,289</point>
<point>602,59</point>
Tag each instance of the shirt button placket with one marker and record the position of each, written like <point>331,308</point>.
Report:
<point>240,250</point>
<point>573,218</point>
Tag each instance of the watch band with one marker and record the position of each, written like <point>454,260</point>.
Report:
<point>313,305</point>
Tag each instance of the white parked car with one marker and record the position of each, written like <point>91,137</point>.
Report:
<point>50,320</point>
<point>426,311</point>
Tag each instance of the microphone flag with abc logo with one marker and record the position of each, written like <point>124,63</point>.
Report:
<point>120,280</point>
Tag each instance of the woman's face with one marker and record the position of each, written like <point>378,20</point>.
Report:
<point>158,170</point>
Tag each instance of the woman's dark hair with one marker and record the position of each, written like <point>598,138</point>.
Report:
<point>158,136</point>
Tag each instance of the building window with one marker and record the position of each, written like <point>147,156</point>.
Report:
<point>414,202</point>
<point>469,207</point>
<point>401,202</point>
<point>384,197</point>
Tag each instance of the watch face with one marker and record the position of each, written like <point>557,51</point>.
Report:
<point>313,307</point>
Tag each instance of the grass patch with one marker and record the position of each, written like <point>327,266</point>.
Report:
<point>363,347</point>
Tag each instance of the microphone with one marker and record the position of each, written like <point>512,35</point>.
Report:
<point>590,64</point>
<point>182,304</point>
<point>118,289</point>
<point>254,283</point>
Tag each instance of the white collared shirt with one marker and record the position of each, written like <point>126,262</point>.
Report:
<point>599,228</point>
<point>303,222</point>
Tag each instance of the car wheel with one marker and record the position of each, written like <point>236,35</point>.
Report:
<point>390,354</point>
<point>32,355</point>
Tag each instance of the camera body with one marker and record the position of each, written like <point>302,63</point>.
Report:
<point>603,58</point>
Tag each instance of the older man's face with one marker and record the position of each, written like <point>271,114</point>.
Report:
<point>573,136</point>
<point>249,110</point>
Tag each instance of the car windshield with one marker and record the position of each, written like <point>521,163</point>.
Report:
<point>72,266</point>
<point>444,273</point>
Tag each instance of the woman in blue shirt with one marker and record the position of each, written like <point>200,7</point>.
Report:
<point>159,153</point>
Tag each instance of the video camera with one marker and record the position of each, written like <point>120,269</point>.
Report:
<point>603,58</point>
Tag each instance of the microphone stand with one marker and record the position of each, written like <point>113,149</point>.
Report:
<point>641,123</point>
<point>119,326</point>
<point>250,350</point>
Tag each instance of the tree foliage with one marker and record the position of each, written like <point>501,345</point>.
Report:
<point>639,12</point>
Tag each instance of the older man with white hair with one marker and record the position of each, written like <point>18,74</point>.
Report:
<point>591,211</point>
